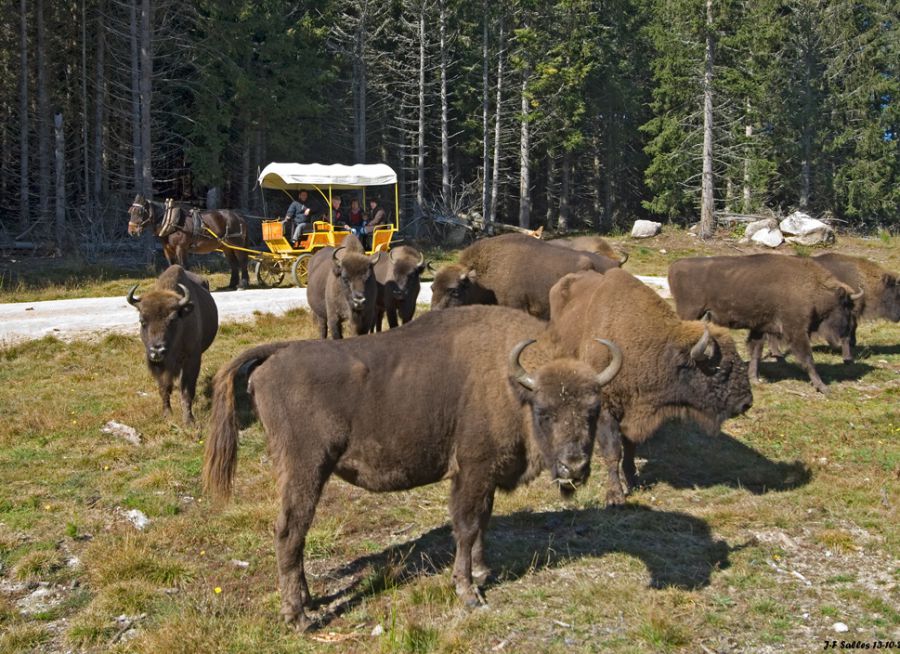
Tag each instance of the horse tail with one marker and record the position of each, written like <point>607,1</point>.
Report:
<point>220,457</point>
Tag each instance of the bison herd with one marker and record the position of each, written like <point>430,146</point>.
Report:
<point>578,352</point>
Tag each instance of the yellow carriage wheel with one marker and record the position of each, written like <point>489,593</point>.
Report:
<point>269,272</point>
<point>300,269</point>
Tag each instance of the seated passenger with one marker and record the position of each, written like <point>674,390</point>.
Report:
<point>338,216</point>
<point>356,217</point>
<point>377,217</point>
<point>298,217</point>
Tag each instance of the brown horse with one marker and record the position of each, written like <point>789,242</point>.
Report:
<point>227,225</point>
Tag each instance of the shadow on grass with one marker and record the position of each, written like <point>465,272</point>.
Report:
<point>864,351</point>
<point>684,457</point>
<point>678,550</point>
<point>829,372</point>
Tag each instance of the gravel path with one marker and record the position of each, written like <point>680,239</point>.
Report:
<point>92,317</point>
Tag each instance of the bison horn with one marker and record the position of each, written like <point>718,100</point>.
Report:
<point>421,261</point>
<point>390,255</point>
<point>698,352</point>
<point>132,300</point>
<point>623,259</point>
<point>613,368</point>
<point>858,296</point>
<point>374,259</point>
<point>431,267</point>
<point>334,255</point>
<point>187,296</point>
<point>516,371</point>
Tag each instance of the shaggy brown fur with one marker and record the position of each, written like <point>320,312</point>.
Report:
<point>440,399</point>
<point>661,378</point>
<point>514,270</point>
<point>228,224</point>
<point>176,334</point>
<point>397,274</point>
<point>881,298</point>
<point>769,294</point>
<point>595,244</point>
<point>342,289</point>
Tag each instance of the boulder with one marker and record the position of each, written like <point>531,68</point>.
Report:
<point>805,230</point>
<point>769,237</point>
<point>645,229</point>
<point>752,228</point>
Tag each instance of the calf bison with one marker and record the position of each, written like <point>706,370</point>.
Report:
<point>673,369</point>
<point>514,270</point>
<point>788,298</point>
<point>443,397</point>
<point>881,288</point>
<point>595,244</point>
<point>397,275</point>
<point>342,289</point>
<point>179,321</point>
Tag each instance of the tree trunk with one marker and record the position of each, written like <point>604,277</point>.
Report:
<point>99,95</point>
<point>146,91</point>
<point>551,187</point>
<point>359,90</point>
<point>707,207</point>
<point>244,187</point>
<point>137,156</point>
<point>60,183</point>
<point>45,177</point>
<point>495,168</point>
<point>445,128</point>
<point>747,194</point>
<point>524,159</point>
<point>596,171</point>
<point>24,204</point>
<point>85,152</point>
<point>565,192</point>
<point>420,163</point>
<point>485,127</point>
<point>806,134</point>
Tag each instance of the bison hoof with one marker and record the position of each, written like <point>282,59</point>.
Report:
<point>296,619</point>
<point>472,598</point>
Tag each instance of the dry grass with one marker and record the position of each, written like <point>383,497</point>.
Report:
<point>756,540</point>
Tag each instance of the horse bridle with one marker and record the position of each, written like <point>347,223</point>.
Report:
<point>145,211</point>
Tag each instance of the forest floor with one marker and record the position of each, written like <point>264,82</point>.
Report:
<point>779,534</point>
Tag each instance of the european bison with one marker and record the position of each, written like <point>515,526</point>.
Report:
<point>443,397</point>
<point>673,369</point>
<point>179,321</point>
<point>595,244</point>
<point>342,289</point>
<point>514,270</point>
<point>787,298</point>
<point>881,288</point>
<point>397,275</point>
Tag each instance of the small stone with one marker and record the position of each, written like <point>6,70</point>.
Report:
<point>840,627</point>
<point>125,432</point>
<point>137,518</point>
<point>378,630</point>
<point>240,564</point>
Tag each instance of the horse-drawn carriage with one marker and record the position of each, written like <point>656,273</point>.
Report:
<point>283,256</point>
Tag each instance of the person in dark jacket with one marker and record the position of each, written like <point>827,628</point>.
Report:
<point>297,218</point>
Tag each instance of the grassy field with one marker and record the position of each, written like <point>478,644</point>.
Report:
<point>757,540</point>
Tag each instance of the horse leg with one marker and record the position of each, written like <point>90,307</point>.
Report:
<point>233,264</point>
<point>243,264</point>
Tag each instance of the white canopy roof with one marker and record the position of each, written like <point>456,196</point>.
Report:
<point>294,176</point>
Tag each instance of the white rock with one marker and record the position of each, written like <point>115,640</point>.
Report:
<point>645,229</point>
<point>805,230</point>
<point>378,630</point>
<point>130,434</point>
<point>237,563</point>
<point>137,518</point>
<point>752,228</point>
<point>840,627</point>
<point>769,237</point>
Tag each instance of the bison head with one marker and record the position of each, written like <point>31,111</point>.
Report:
<point>160,316</point>
<point>564,397</point>
<point>454,285</point>
<point>354,270</point>
<point>406,266</point>
<point>889,298</point>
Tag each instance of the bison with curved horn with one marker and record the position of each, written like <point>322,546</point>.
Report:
<point>443,397</point>
<point>179,321</point>
<point>398,285</point>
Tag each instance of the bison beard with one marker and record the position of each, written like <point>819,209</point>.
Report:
<point>675,369</point>
<point>455,404</point>
<point>179,321</point>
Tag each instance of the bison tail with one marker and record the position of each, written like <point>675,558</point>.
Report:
<point>220,458</point>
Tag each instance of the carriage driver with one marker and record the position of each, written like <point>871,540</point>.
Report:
<point>298,216</point>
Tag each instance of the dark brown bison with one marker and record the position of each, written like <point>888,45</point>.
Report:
<point>190,236</point>
<point>673,369</point>
<point>179,321</point>
<point>342,289</point>
<point>443,397</point>
<point>397,275</point>
<point>787,298</point>
<point>595,244</point>
<point>514,270</point>
<point>881,288</point>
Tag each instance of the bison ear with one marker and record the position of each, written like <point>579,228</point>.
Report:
<point>584,263</point>
<point>472,275</point>
<point>561,289</point>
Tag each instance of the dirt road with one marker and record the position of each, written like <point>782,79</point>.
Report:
<point>96,317</point>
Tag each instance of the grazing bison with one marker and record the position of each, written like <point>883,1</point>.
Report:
<point>398,285</point>
<point>179,321</point>
<point>514,270</point>
<point>443,397</point>
<point>788,298</point>
<point>673,369</point>
<point>881,288</point>
<point>595,244</point>
<point>342,289</point>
